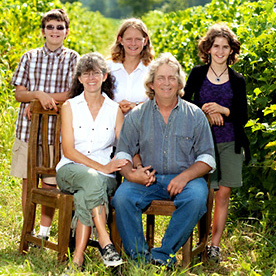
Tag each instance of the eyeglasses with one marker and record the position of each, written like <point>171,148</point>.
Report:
<point>95,74</point>
<point>52,27</point>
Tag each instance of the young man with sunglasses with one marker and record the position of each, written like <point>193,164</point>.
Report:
<point>43,74</point>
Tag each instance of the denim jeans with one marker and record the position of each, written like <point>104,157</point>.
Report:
<point>131,199</point>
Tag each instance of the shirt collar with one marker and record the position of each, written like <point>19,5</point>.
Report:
<point>119,66</point>
<point>81,98</point>
<point>57,52</point>
<point>176,106</point>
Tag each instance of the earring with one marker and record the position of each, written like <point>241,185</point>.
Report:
<point>209,58</point>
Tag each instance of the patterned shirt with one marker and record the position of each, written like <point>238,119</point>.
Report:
<point>222,94</point>
<point>169,148</point>
<point>43,70</point>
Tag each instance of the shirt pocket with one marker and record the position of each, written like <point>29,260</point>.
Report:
<point>184,149</point>
<point>105,135</point>
<point>80,133</point>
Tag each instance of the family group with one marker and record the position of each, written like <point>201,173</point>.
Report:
<point>165,133</point>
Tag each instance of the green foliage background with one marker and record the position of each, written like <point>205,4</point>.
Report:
<point>255,25</point>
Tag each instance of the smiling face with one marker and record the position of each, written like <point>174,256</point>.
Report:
<point>55,32</point>
<point>165,83</point>
<point>133,41</point>
<point>220,50</point>
<point>92,80</point>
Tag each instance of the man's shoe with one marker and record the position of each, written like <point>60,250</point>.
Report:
<point>110,256</point>
<point>160,263</point>
<point>214,253</point>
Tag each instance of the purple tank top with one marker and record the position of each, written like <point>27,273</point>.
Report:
<point>222,94</point>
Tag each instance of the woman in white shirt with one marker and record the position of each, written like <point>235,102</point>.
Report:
<point>131,56</point>
<point>91,122</point>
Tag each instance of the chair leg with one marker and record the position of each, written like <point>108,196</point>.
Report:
<point>27,228</point>
<point>114,234</point>
<point>64,225</point>
<point>150,231</point>
<point>187,252</point>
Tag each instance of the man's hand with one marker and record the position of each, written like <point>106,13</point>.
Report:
<point>47,102</point>
<point>150,175</point>
<point>176,185</point>
<point>27,112</point>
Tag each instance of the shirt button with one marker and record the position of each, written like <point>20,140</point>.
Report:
<point>165,152</point>
<point>92,128</point>
<point>88,151</point>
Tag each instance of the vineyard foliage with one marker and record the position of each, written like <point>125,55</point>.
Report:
<point>255,25</point>
<point>176,32</point>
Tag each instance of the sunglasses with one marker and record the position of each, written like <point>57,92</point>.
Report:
<point>52,27</point>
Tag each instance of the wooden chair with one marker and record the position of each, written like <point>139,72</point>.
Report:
<point>166,208</point>
<point>49,197</point>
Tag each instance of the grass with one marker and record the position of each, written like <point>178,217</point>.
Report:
<point>249,245</point>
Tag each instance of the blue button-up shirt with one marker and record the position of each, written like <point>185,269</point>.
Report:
<point>169,148</point>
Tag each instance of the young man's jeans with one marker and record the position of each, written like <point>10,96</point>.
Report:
<point>131,198</point>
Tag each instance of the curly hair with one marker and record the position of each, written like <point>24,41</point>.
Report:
<point>92,62</point>
<point>164,58</point>
<point>56,14</point>
<point>117,49</point>
<point>218,30</point>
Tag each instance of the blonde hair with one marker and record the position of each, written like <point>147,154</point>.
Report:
<point>165,58</point>
<point>117,49</point>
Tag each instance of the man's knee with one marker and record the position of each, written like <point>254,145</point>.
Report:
<point>122,196</point>
<point>195,194</point>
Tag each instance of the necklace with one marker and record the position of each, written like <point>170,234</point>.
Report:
<point>218,77</point>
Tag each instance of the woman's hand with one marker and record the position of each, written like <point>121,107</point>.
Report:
<point>114,165</point>
<point>126,106</point>
<point>215,119</point>
<point>210,108</point>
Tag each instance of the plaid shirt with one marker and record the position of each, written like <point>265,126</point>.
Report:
<point>43,70</point>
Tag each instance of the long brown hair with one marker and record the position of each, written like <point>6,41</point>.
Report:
<point>92,62</point>
<point>218,30</point>
<point>117,49</point>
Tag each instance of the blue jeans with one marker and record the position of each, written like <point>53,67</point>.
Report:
<point>131,199</point>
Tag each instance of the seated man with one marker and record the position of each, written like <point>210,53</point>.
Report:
<point>174,138</point>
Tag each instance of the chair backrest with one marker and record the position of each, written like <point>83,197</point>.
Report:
<point>39,141</point>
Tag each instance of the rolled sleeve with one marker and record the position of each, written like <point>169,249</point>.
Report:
<point>208,159</point>
<point>128,142</point>
<point>123,155</point>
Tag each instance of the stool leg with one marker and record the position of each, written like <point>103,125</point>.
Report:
<point>150,231</point>
<point>64,225</point>
<point>114,233</point>
<point>187,252</point>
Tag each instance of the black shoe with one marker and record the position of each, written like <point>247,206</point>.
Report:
<point>214,254</point>
<point>110,256</point>
<point>168,266</point>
